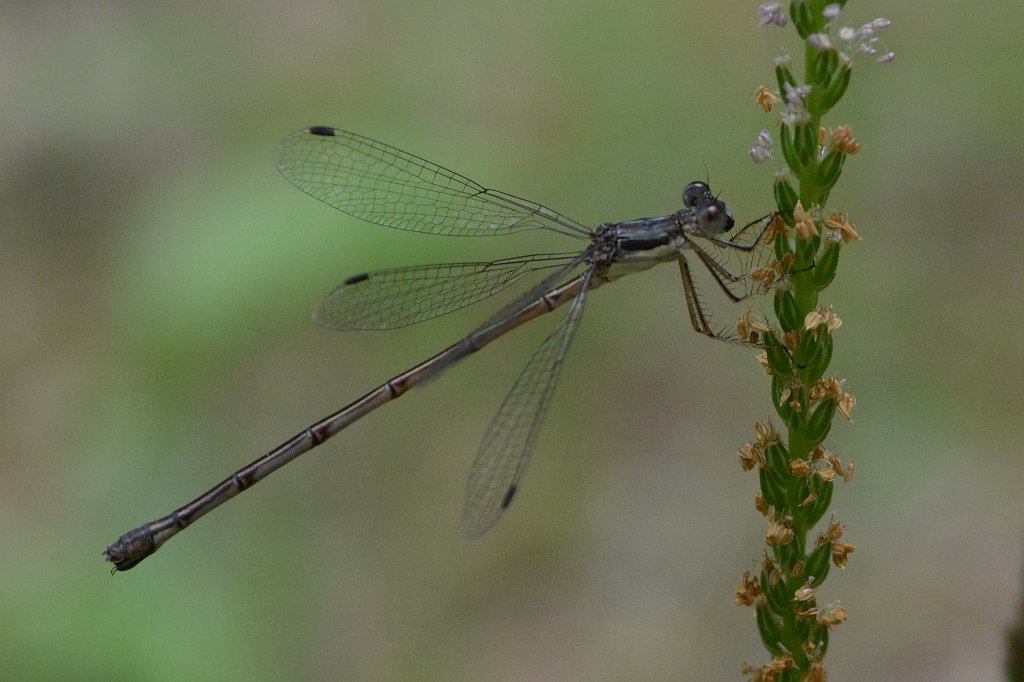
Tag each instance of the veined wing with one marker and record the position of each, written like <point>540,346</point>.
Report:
<point>732,265</point>
<point>731,261</point>
<point>512,435</point>
<point>388,299</point>
<point>383,185</point>
<point>748,237</point>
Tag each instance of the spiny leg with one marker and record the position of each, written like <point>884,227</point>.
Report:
<point>724,277</point>
<point>701,320</point>
<point>698,318</point>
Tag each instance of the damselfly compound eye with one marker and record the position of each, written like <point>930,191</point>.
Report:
<point>695,193</point>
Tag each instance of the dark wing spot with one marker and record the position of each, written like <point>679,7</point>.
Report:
<point>356,279</point>
<point>508,497</point>
<point>326,131</point>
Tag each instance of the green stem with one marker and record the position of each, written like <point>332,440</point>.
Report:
<point>799,447</point>
<point>809,191</point>
<point>804,291</point>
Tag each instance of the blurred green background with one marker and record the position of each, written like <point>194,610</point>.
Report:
<point>157,279</point>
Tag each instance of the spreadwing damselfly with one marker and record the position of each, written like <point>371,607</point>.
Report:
<point>386,186</point>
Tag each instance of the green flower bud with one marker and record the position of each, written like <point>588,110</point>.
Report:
<point>818,563</point>
<point>778,596</point>
<point>787,311</point>
<point>834,91</point>
<point>792,418</point>
<point>830,168</point>
<point>821,637</point>
<point>805,142</point>
<point>825,265</point>
<point>778,461</point>
<point>802,17</point>
<point>778,358</point>
<point>783,76</point>
<point>772,491</point>
<point>796,420</point>
<point>806,350</point>
<point>820,505</point>
<point>819,422</point>
<point>788,554</point>
<point>816,366</point>
<point>784,411</point>
<point>823,67</point>
<point>806,250</point>
<point>770,628</point>
<point>782,243</point>
<point>785,195</point>
<point>787,145</point>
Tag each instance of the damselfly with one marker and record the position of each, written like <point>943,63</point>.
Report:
<point>384,185</point>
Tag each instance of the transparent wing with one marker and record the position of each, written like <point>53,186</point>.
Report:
<point>732,261</point>
<point>383,185</point>
<point>748,237</point>
<point>511,436</point>
<point>388,299</point>
<point>540,288</point>
<point>730,264</point>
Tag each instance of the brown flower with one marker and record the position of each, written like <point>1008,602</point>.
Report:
<point>844,142</point>
<point>805,227</point>
<point>766,99</point>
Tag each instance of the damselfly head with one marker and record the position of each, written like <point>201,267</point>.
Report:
<point>713,216</point>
